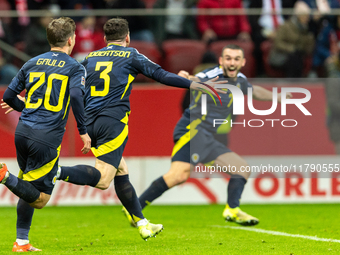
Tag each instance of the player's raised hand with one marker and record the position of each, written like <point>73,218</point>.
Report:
<point>209,85</point>
<point>87,143</point>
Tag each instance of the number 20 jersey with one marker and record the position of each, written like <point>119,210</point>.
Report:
<point>47,79</point>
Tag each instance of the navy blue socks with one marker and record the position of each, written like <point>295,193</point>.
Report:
<point>24,220</point>
<point>22,189</point>
<point>156,189</point>
<point>235,189</point>
<point>80,175</point>
<point>127,195</point>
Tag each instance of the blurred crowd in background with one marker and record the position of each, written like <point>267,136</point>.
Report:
<point>302,44</point>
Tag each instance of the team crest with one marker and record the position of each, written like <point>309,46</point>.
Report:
<point>195,157</point>
<point>54,180</point>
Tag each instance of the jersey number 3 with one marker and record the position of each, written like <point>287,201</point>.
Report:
<point>105,76</point>
<point>41,80</point>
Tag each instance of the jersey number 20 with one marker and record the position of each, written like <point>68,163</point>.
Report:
<point>41,76</point>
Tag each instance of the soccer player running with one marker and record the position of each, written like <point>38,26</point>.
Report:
<point>110,72</point>
<point>207,148</point>
<point>52,81</point>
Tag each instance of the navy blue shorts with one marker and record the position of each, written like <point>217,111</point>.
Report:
<point>196,147</point>
<point>108,138</point>
<point>38,163</point>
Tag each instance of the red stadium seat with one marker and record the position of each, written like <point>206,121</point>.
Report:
<point>182,55</point>
<point>149,3</point>
<point>151,51</point>
<point>272,72</point>
<point>248,47</point>
<point>4,5</point>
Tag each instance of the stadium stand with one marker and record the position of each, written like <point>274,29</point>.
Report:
<point>272,72</point>
<point>182,54</point>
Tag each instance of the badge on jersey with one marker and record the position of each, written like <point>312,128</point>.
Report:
<point>195,157</point>
<point>83,80</point>
<point>54,180</point>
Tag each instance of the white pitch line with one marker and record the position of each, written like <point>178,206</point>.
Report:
<point>277,233</point>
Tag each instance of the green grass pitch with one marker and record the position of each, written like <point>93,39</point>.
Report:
<point>187,230</point>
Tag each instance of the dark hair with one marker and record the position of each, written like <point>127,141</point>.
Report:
<point>209,57</point>
<point>233,47</point>
<point>116,29</point>
<point>59,30</point>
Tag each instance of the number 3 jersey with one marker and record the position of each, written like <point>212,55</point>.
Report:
<point>108,84</point>
<point>47,80</point>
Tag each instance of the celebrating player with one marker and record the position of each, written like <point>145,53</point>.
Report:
<point>205,147</point>
<point>52,80</point>
<point>110,72</point>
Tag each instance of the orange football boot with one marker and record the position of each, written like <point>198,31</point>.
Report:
<point>3,171</point>
<point>23,248</point>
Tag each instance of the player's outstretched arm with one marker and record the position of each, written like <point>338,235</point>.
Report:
<point>198,85</point>
<point>174,80</point>
<point>262,94</point>
<point>186,75</point>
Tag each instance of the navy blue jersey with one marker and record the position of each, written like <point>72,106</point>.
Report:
<point>47,80</point>
<point>215,111</point>
<point>108,84</point>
